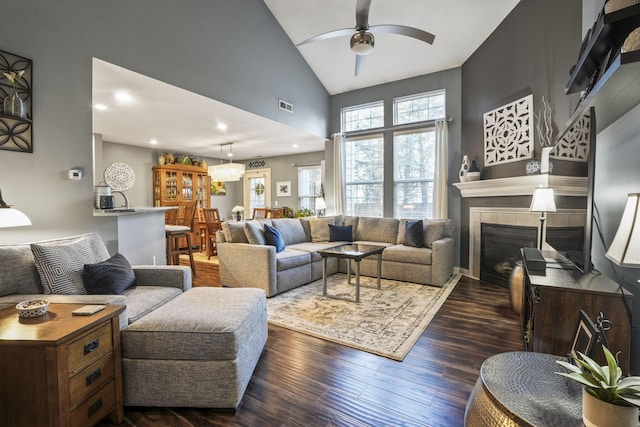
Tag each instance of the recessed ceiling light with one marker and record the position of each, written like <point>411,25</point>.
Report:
<point>222,126</point>
<point>295,145</point>
<point>123,96</point>
<point>100,107</point>
<point>153,142</point>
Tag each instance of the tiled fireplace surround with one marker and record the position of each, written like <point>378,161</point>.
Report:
<point>518,186</point>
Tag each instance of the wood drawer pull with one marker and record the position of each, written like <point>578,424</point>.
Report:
<point>95,407</point>
<point>91,346</point>
<point>92,377</point>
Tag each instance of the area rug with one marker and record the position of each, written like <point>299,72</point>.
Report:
<point>387,322</point>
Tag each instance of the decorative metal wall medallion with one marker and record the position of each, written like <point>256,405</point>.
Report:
<point>16,131</point>
<point>508,132</point>
<point>574,145</point>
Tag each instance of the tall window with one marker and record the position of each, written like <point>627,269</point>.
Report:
<point>363,117</point>
<point>364,176</point>
<point>413,173</point>
<point>419,108</point>
<point>309,179</point>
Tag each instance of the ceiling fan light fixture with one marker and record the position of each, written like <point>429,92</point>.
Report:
<point>362,42</point>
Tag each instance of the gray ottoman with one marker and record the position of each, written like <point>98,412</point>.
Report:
<point>198,350</point>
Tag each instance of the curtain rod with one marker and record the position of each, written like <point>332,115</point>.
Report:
<point>398,127</point>
<point>302,165</point>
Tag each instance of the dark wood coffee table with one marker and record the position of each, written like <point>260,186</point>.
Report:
<point>352,251</point>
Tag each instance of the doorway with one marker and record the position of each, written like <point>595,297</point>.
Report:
<point>257,190</point>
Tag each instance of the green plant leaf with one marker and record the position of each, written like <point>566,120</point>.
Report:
<point>581,378</point>
<point>614,371</point>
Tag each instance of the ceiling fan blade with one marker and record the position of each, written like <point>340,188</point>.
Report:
<point>404,31</point>
<point>329,35</point>
<point>362,13</point>
<point>359,64</point>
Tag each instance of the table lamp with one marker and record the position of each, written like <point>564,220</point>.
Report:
<point>320,205</point>
<point>543,202</point>
<point>11,217</point>
<point>625,248</point>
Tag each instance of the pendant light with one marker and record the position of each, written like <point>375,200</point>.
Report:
<point>11,217</point>
<point>225,172</point>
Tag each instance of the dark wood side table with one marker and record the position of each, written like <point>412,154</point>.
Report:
<point>523,389</point>
<point>552,304</point>
<point>59,369</point>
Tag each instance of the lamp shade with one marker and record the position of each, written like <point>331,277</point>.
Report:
<point>320,203</point>
<point>10,217</point>
<point>226,172</point>
<point>543,200</point>
<point>625,248</point>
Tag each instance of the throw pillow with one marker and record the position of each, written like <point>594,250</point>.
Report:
<point>340,233</point>
<point>109,277</point>
<point>433,230</point>
<point>273,237</point>
<point>60,266</point>
<point>254,232</point>
<point>319,229</point>
<point>234,232</point>
<point>413,234</point>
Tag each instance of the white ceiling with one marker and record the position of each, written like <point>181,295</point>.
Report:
<point>185,122</point>
<point>460,27</point>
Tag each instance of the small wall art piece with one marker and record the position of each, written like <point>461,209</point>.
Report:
<point>283,189</point>
<point>508,132</point>
<point>218,188</point>
<point>16,119</point>
<point>574,145</point>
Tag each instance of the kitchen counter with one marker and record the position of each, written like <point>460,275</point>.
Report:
<point>130,211</point>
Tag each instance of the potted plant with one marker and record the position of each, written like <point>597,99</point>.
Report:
<point>608,398</point>
<point>13,104</point>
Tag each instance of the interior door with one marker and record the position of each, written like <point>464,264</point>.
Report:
<point>257,190</point>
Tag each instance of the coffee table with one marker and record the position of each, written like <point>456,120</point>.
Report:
<point>353,251</point>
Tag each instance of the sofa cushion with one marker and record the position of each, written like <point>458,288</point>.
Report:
<point>313,248</point>
<point>377,229</point>
<point>436,229</point>
<point>234,232</point>
<point>254,232</point>
<point>291,258</point>
<point>273,237</point>
<point>112,276</point>
<point>413,234</point>
<point>60,265</point>
<point>142,300</point>
<point>319,228</point>
<point>291,230</point>
<point>22,277</point>
<point>408,254</point>
<point>340,233</point>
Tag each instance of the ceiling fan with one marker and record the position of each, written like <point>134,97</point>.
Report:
<point>362,40</point>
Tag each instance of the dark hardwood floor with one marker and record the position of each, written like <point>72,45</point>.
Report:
<point>305,381</point>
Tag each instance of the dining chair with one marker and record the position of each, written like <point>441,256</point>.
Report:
<point>201,225</point>
<point>275,213</point>
<point>183,229</point>
<point>213,224</point>
<point>259,213</point>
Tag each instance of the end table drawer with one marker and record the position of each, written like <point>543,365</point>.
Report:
<point>90,379</point>
<point>90,347</point>
<point>95,408</point>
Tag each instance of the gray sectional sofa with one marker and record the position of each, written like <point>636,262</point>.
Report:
<point>247,261</point>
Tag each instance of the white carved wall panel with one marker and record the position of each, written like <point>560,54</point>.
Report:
<point>508,132</point>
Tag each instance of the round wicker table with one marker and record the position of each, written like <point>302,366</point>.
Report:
<point>523,389</point>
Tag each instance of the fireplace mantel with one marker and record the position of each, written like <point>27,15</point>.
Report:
<point>523,186</point>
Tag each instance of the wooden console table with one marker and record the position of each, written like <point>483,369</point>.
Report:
<point>59,369</point>
<point>552,302</point>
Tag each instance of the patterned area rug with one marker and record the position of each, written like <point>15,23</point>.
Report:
<point>387,322</point>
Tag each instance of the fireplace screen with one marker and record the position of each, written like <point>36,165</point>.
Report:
<point>500,250</point>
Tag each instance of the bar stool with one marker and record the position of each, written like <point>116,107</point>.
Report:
<point>213,223</point>
<point>174,233</point>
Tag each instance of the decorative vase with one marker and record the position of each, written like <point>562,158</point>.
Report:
<point>238,216</point>
<point>15,106</point>
<point>473,174</point>
<point>464,168</point>
<point>161,159</point>
<point>597,413</point>
<point>533,167</point>
<point>516,287</point>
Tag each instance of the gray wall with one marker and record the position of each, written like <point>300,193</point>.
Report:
<point>530,52</point>
<point>450,80</point>
<point>231,51</point>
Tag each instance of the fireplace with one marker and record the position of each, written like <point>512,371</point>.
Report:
<point>500,250</point>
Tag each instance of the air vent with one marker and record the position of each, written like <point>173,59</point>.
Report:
<point>286,106</point>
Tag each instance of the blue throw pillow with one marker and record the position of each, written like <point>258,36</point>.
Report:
<point>413,234</point>
<point>110,277</point>
<point>273,237</point>
<point>340,233</point>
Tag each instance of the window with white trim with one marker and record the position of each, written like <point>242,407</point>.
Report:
<point>309,180</point>
<point>364,176</point>
<point>419,108</point>
<point>413,173</point>
<point>363,117</point>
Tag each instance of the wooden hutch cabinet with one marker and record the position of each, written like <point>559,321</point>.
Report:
<point>181,183</point>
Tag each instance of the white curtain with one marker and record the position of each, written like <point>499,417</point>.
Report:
<point>338,173</point>
<point>440,190</point>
